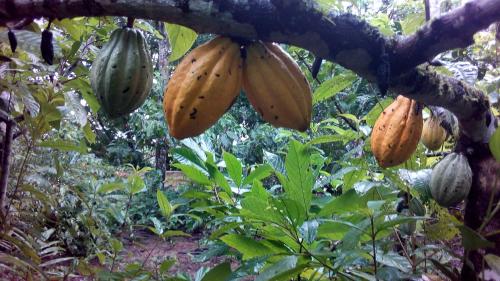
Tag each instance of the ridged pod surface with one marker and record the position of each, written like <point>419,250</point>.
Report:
<point>122,73</point>
<point>433,135</point>
<point>451,180</point>
<point>276,87</point>
<point>396,132</point>
<point>203,87</point>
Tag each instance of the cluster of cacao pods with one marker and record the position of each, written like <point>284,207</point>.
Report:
<point>396,132</point>
<point>122,73</point>
<point>209,79</point>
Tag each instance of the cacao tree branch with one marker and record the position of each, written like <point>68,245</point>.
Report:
<point>344,39</point>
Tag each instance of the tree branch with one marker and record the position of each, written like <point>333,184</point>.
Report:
<point>344,39</point>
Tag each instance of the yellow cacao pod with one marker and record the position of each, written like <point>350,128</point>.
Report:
<point>276,87</point>
<point>396,132</point>
<point>203,87</point>
<point>433,135</point>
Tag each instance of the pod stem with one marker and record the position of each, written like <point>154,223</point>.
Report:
<point>130,22</point>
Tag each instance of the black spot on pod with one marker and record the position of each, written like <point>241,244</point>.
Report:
<point>192,115</point>
<point>46,47</point>
<point>12,41</point>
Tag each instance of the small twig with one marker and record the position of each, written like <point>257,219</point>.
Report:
<point>402,245</point>
<point>374,247</point>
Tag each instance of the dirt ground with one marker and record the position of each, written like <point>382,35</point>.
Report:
<point>149,250</point>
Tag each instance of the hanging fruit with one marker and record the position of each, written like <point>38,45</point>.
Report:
<point>451,180</point>
<point>46,46</point>
<point>203,87</point>
<point>396,132</point>
<point>12,40</point>
<point>276,87</point>
<point>122,73</point>
<point>433,135</point>
<point>209,78</point>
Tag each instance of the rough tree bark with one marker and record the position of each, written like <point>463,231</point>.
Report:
<point>343,39</point>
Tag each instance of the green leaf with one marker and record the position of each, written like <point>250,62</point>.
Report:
<point>352,237</point>
<point>165,206</point>
<point>135,184</point>
<point>495,144</point>
<point>172,233</point>
<point>472,240</point>
<point>494,262</point>
<point>90,98</point>
<point>219,273</point>
<point>247,246</point>
<point>350,201</point>
<point>412,22</point>
<point>374,113</point>
<point>181,39</point>
<point>333,86</point>
<point>110,187</point>
<point>300,179</point>
<point>64,145</point>
<point>194,174</point>
<point>219,178</point>
<point>233,166</point>
<point>309,230</point>
<point>259,173</point>
<point>326,139</point>
<point>166,265</point>
<point>186,155</point>
<point>88,133</point>
<point>333,230</point>
<point>284,269</point>
<point>116,245</point>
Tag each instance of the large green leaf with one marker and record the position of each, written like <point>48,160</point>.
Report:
<point>259,173</point>
<point>65,145</point>
<point>299,176</point>
<point>285,269</point>
<point>247,246</point>
<point>219,273</point>
<point>274,160</point>
<point>186,155</point>
<point>193,173</point>
<point>333,86</point>
<point>350,201</point>
<point>110,187</point>
<point>233,166</point>
<point>219,178</point>
<point>135,184</point>
<point>471,240</point>
<point>181,39</point>
<point>165,206</point>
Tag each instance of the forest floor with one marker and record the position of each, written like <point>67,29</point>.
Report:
<point>150,250</point>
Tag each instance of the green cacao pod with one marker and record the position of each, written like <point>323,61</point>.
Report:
<point>417,207</point>
<point>122,73</point>
<point>407,228</point>
<point>451,180</point>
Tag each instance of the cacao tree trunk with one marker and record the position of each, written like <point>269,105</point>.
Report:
<point>482,199</point>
